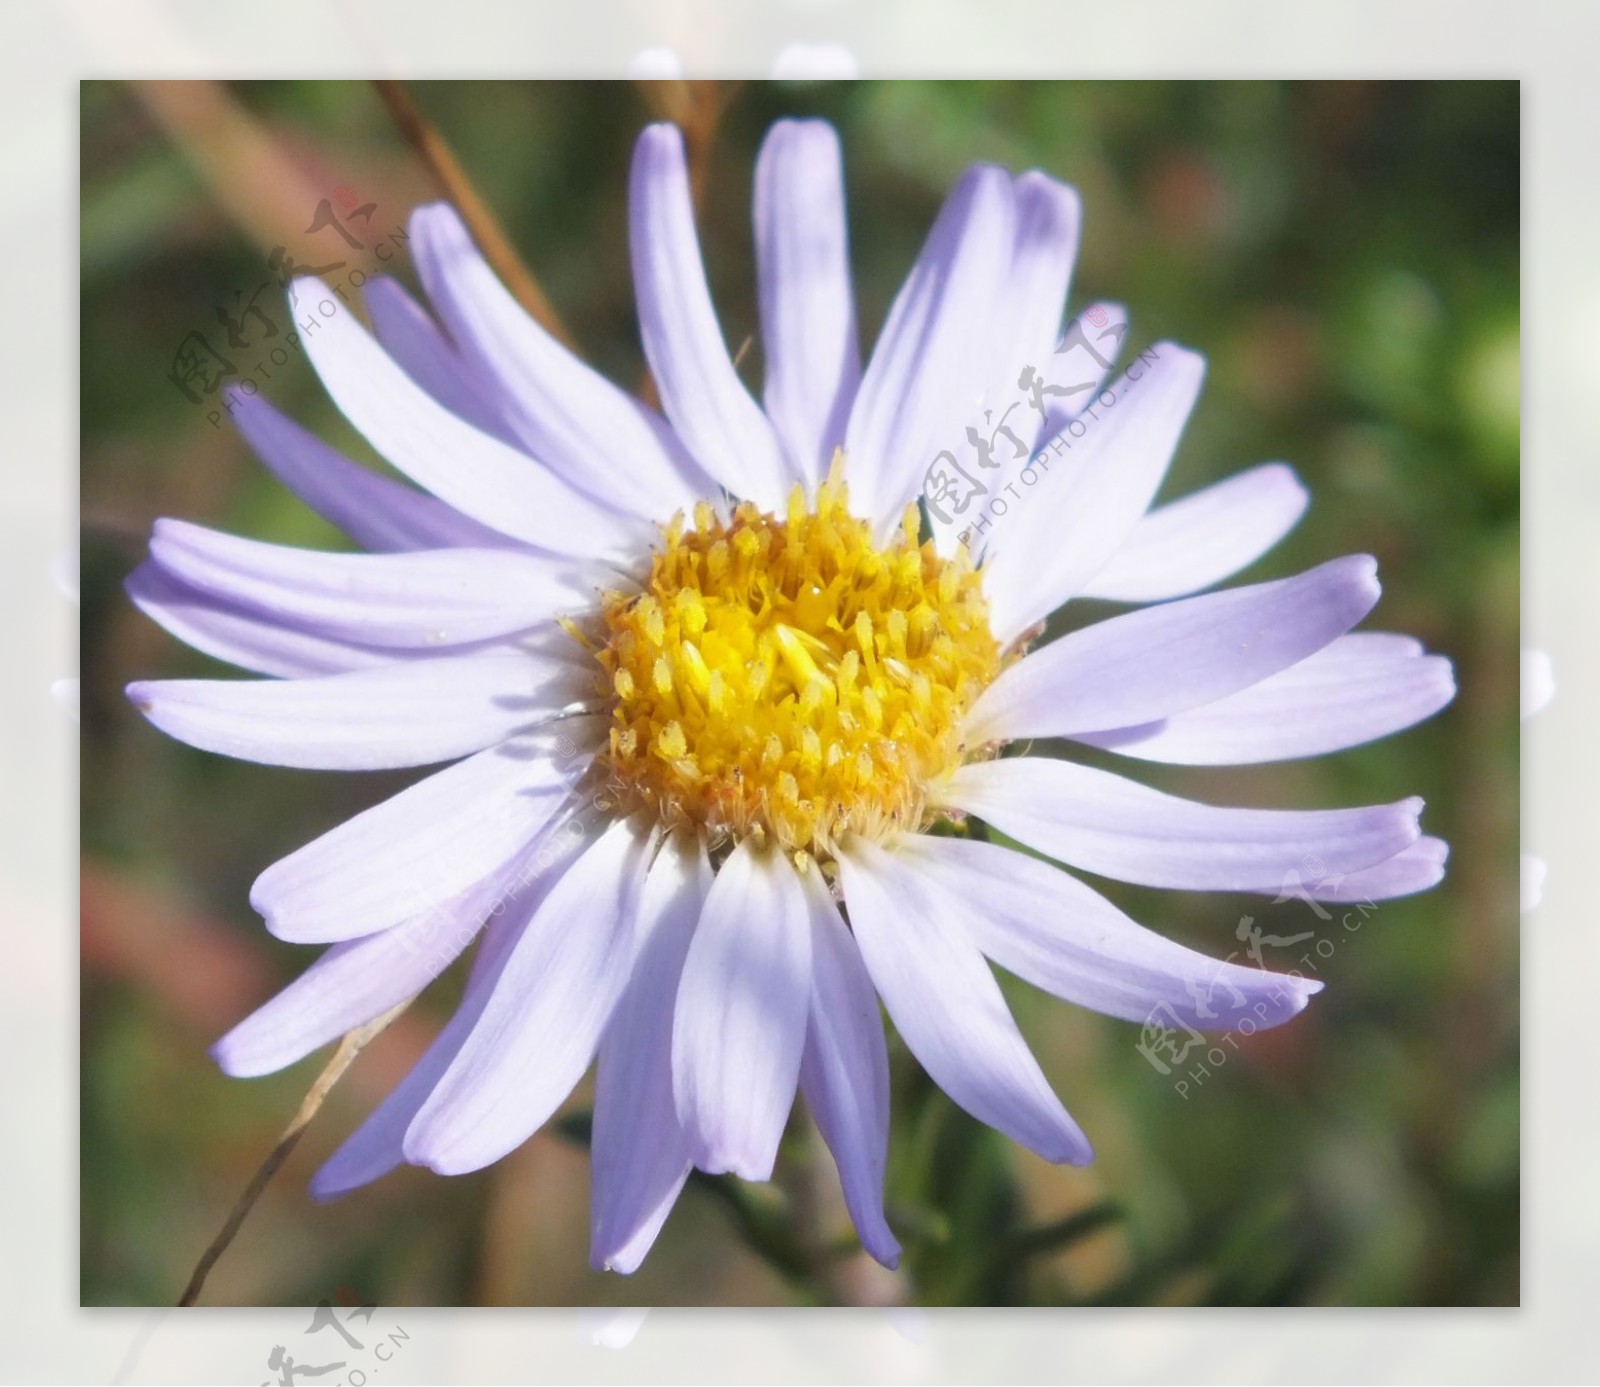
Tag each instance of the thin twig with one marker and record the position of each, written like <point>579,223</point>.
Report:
<point>708,102</point>
<point>453,181</point>
<point>351,1046</point>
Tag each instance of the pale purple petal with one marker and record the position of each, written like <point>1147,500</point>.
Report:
<point>1077,366</point>
<point>1209,535</point>
<point>926,373</point>
<point>428,843</point>
<point>470,470</point>
<point>1068,526</point>
<point>1419,867</point>
<point>844,1072</point>
<point>1051,930</point>
<point>1080,365</point>
<point>1360,646</point>
<point>542,1023</point>
<point>1342,696</point>
<point>701,392</point>
<point>1027,316</point>
<point>356,982</point>
<point>1129,832</point>
<point>598,438</point>
<point>947,1006</point>
<point>641,1154</point>
<point>1166,659</point>
<point>413,713</point>
<point>379,514</point>
<point>376,1146</point>
<point>425,599</point>
<point>1024,324</point>
<point>263,645</point>
<point>408,333</point>
<point>808,313</point>
<point>740,1023</point>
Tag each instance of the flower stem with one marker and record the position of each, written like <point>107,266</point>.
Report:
<point>453,181</point>
<point>351,1046</point>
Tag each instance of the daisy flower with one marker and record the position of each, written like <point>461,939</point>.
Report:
<point>726,708</point>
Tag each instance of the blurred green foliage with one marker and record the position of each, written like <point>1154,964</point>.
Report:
<point>1347,257</point>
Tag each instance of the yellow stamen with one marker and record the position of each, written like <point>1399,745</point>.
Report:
<point>785,677</point>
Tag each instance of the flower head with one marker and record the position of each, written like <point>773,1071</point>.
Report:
<point>731,691</point>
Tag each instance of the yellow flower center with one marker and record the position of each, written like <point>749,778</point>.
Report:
<point>788,678</point>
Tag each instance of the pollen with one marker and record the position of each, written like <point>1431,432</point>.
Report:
<point>786,677</point>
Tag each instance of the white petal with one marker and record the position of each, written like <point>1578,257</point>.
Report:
<point>240,637</point>
<point>1027,316</point>
<point>947,1006</point>
<point>1080,365</point>
<point>700,390</point>
<point>429,842</point>
<point>379,514</point>
<point>1065,530</point>
<point>376,1146</point>
<point>1346,694</point>
<point>412,713</point>
<point>471,470</point>
<point>1120,829</point>
<point>425,599</point>
<point>1066,379</point>
<point>808,312</point>
<point>356,982</point>
<point>740,1024</point>
<point>1051,930</point>
<point>1164,660</point>
<point>926,373</point>
<point>1417,868</point>
<point>993,442</point>
<point>598,438</point>
<point>641,1155</point>
<point>1207,536</point>
<point>405,330</point>
<point>540,1027</point>
<point>844,1072</point>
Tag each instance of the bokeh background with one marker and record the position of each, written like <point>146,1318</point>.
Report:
<point>1347,257</point>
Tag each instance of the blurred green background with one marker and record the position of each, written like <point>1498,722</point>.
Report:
<point>1346,255</point>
